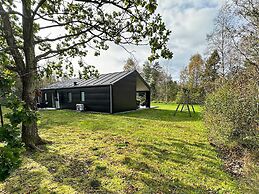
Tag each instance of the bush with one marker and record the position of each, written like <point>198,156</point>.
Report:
<point>232,112</point>
<point>9,160</point>
<point>10,134</point>
<point>11,150</point>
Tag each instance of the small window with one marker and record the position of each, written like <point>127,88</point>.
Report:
<point>46,97</point>
<point>69,97</point>
<point>82,96</point>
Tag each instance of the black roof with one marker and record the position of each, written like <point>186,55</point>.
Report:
<point>101,80</point>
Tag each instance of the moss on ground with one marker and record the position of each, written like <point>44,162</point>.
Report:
<point>148,151</point>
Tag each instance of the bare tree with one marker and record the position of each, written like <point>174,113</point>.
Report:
<point>221,38</point>
<point>131,64</point>
<point>246,35</point>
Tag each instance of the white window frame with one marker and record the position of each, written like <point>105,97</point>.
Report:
<point>46,97</point>
<point>82,96</point>
<point>70,98</point>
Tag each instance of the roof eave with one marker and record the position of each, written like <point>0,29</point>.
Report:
<point>75,87</point>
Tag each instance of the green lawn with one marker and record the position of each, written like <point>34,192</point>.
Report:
<point>148,151</point>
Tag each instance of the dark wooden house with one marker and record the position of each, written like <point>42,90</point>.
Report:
<point>110,93</point>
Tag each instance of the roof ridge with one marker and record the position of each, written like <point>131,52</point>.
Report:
<point>102,80</point>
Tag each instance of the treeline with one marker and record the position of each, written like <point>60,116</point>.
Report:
<point>163,87</point>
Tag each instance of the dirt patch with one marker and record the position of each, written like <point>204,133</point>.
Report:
<point>233,160</point>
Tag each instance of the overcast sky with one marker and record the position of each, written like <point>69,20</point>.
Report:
<point>189,20</point>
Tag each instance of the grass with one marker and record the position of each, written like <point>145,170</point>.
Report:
<point>148,151</point>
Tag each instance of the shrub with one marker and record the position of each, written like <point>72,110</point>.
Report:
<point>10,134</point>
<point>232,112</point>
<point>9,160</point>
<point>11,150</point>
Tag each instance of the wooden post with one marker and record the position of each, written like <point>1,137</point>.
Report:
<point>1,116</point>
<point>148,99</point>
<point>177,109</point>
<point>182,107</point>
<point>193,108</point>
<point>189,110</point>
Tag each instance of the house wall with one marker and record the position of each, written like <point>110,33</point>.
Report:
<point>124,94</point>
<point>96,98</point>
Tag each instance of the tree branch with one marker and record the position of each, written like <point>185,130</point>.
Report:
<point>41,2</point>
<point>63,37</point>
<point>101,3</point>
<point>10,39</point>
<point>57,52</point>
<point>11,13</point>
<point>11,68</point>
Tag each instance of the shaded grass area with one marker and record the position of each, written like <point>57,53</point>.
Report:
<point>148,151</point>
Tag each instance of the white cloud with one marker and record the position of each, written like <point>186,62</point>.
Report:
<point>190,21</point>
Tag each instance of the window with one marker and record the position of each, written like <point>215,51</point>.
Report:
<point>46,97</point>
<point>69,97</point>
<point>82,96</point>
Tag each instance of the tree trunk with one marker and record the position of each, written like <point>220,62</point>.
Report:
<point>28,77</point>
<point>30,134</point>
